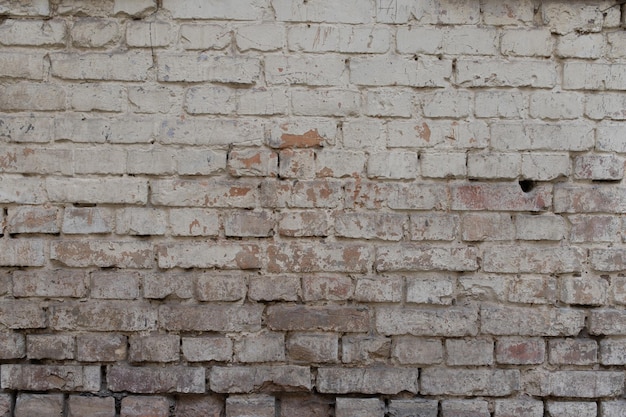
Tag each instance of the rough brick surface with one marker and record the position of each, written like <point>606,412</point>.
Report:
<point>312,208</point>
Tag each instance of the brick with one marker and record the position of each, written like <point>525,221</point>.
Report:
<point>615,45</point>
<point>247,379</point>
<point>375,71</point>
<point>441,11</point>
<point>318,71</point>
<point>22,252</point>
<point>126,66</point>
<point>31,97</point>
<point>302,133</point>
<point>274,288</point>
<point>573,351</point>
<point>103,254</point>
<point>100,347</point>
<point>28,66</point>
<point>380,380</point>
<point>447,134</point>
<point>333,287</point>
<point>211,317</point>
<point>417,351</point>
<point>612,408</point>
<point>612,351</point>
<point>144,380</point>
<point>203,67</point>
<point>216,286</point>
<point>533,290</point>
<point>204,193</point>
<point>419,406</point>
<point>200,162</point>
<point>92,161</point>
<point>385,226</point>
<point>94,406</point>
<point>33,32</point>
<point>13,347</point>
<point>474,73</point>
<point>528,259</point>
<point>448,40</point>
<point>151,161</point>
<point>38,405</point>
<point>252,163</point>
<point>85,8</point>
<point>97,97</point>
<point>50,346</point>
<point>587,290</point>
<point>148,34</point>
<point>418,257</point>
<point>582,384</point>
<point>543,227</point>
<point>484,287</point>
<point>100,130</point>
<point>458,408</point>
<point>26,129</point>
<point>562,408</point>
<point>618,290</point>
<point>493,165</point>
<point>311,318</point>
<point>263,37</point>
<point>33,220</point>
<point>433,226</point>
<point>304,224</point>
<point>205,349</point>
<point>469,352</point>
<point>32,8</point>
<point>542,136</point>
<point>563,18</point>
<point>193,222</point>
<point>297,163</point>
<point>236,10</point>
<point>607,322</point>
<point>451,322</point>
<point>260,347</point>
<point>155,348</point>
<point>339,164</point>
<point>345,39</point>
<point>531,321</point>
<point>38,377</point>
<point>609,260</point>
<point>497,196</point>
<point>309,405</point>
<point>141,221</point>
<point>545,167</point>
<point>204,36</point>
<point>599,167</point>
<point>387,102</point>
<point>503,104</point>
<point>193,131</point>
<point>443,165</point>
<point>487,382</point>
<point>245,223</point>
<point>97,191</point>
<point>487,227</point>
<point>325,102</point>
<point>577,45</point>
<point>556,106</point>
<point>94,33</point>
<point>603,106</point>
<point>87,220</point>
<point>520,351</point>
<point>393,165</point>
<point>365,349</point>
<point>198,255</point>
<point>332,257</point>
<point>524,406</point>
<point>134,8</point>
<point>590,198</point>
<point>434,288</point>
<point>223,100</point>
<point>313,347</point>
<point>103,316</point>
<point>508,12</point>
<point>199,406</point>
<point>377,289</point>
<point>352,11</point>
<point>365,407</point>
<point>144,406</point>
<point>146,99</point>
<point>247,405</point>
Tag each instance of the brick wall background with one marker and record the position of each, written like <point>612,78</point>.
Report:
<point>280,208</point>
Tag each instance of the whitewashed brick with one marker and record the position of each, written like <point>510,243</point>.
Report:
<point>454,41</point>
<point>310,70</point>
<point>203,67</point>
<point>32,97</point>
<point>558,106</point>
<point>493,165</point>
<point>148,34</point>
<point>544,227</point>
<point>610,137</point>
<point>349,11</point>
<point>507,12</point>
<point>97,97</point>
<point>347,39</point>
<point>392,165</point>
<point>95,33</point>
<point>325,102</point>
<point>563,17</point>
<point>544,166</point>
<point>389,102</point>
<point>440,134</point>
<point>577,45</point>
<point>475,73</point>
<point>121,66</point>
<point>501,104</point>
<point>606,106</point>
<point>443,165</point>
<point>422,72</point>
<point>200,9</point>
<point>594,76</point>
<point>30,8</point>
<point>146,99</point>
<point>364,134</point>
<point>526,42</point>
<point>453,103</point>
<point>134,8</point>
<point>33,32</point>
<point>204,37</point>
<point>263,37</point>
<point>432,289</point>
<point>512,136</point>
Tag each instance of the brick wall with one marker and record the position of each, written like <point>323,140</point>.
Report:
<point>280,208</point>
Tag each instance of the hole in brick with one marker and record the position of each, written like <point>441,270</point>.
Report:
<point>527,185</point>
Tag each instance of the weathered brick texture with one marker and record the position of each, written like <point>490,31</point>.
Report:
<point>312,208</point>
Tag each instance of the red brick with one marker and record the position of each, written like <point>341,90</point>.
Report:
<point>365,349</point>
<point>585,198</point>
<point>573,351</point>
<point>199,406</point>
<point>595,228</point>
<point>453,321</point>
<point>327,287</point>
<point>414,257</point>
<point>469,352</point>
<point>434,226</point>
<point>316,257</point>
<point>411,350</point>
<point>145,407</point>
<point>500,197</point>
<point>271,288</point>
<point>33,220</point>
<point>13,346</point>
<point>78,406</point>
<point>164,284</point>
<point>313,347</point>
<point>296,135</point>
<point>252,162</point>
<point>322,193</point>
<point>156,348</point>
<point>481,382</point>
<point>304,224</point>
<point>144,380</point>
<point>362,407</point>
<point>520,351</point>
<point>609,260</point>
<point>103,254</point>
<point>209,348</point>
<point>103,316</point>
<point>221,286</point>
<point>607,322</point>
<point>245,223</point>
<point>50,283</point>
<point>100,347</point>
<point>211,317</point>
<point>51,377</point>
<point>111,285</point>
<point>305,405</point>
<point>488,227</point>
<point>380,380</point>
<point>50,346</point>
<point>247,379</point>
<point>310,318</point>
<point>20,314</point>
<point>21,252</point>
<point>531,321</point>
<point>599,167</point>
<point>378,289</point>
<point>39,405</point>
<point>262,346</point>
<point>209,255</point>
<point>250,405</point>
